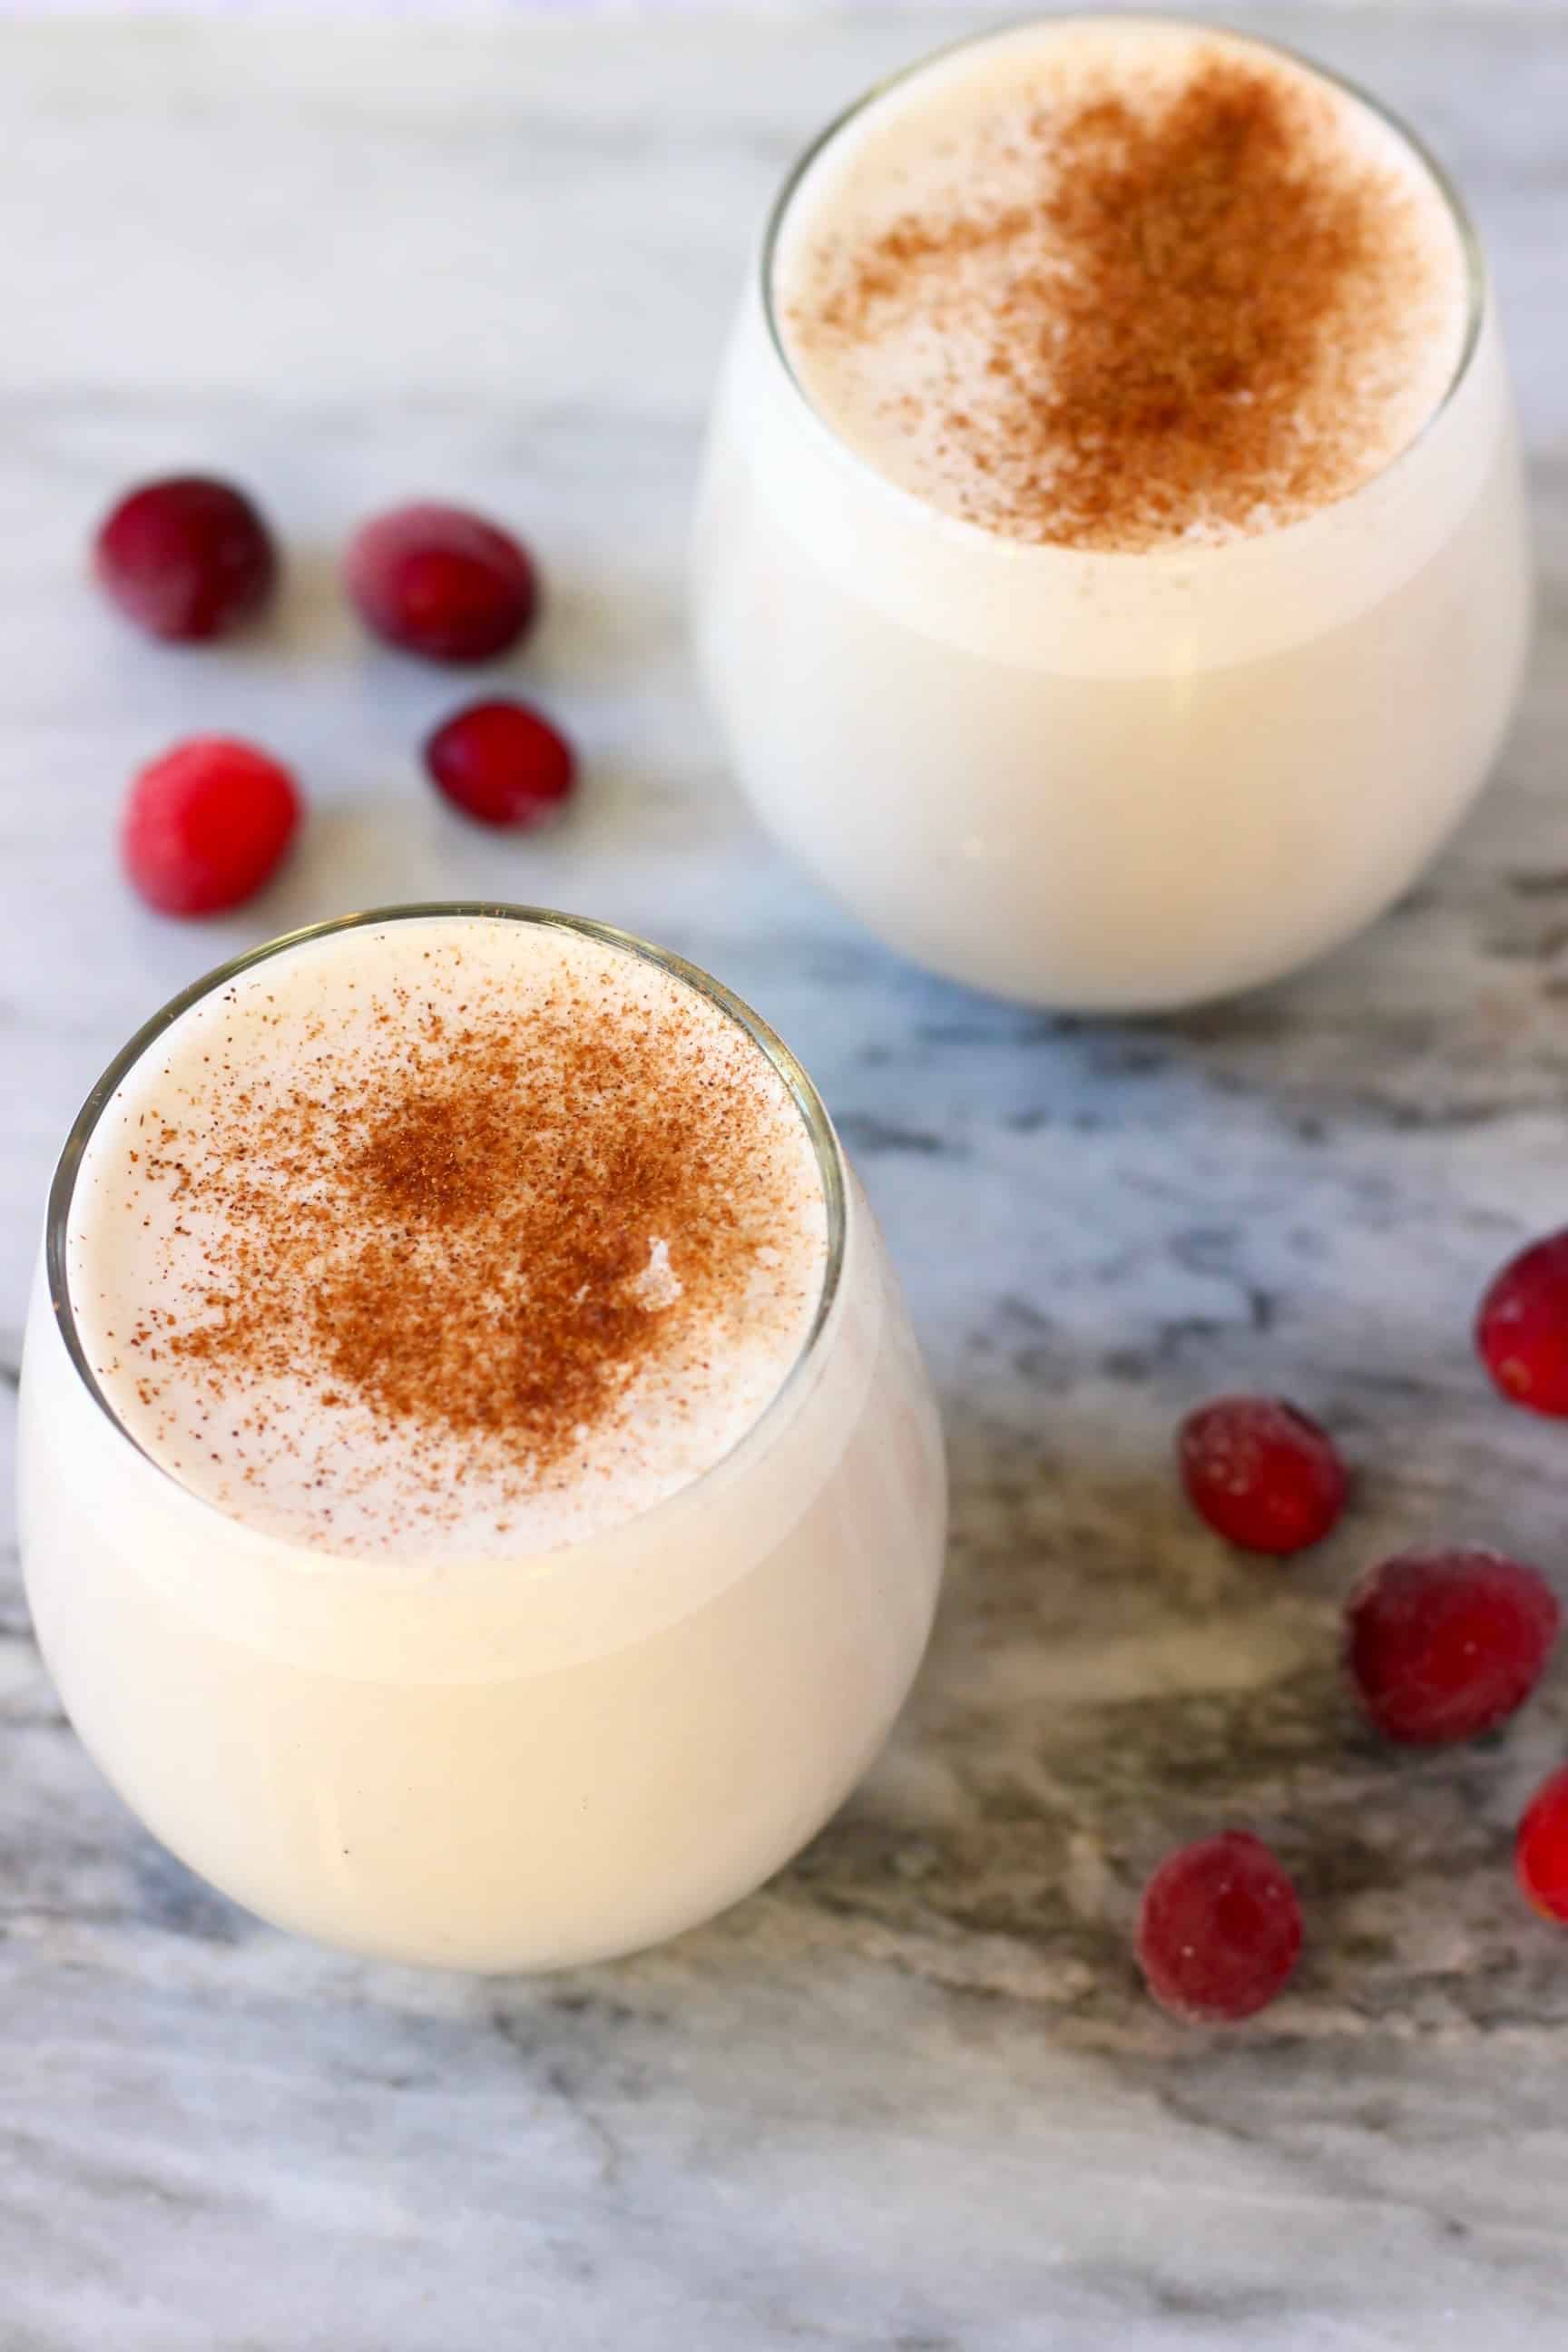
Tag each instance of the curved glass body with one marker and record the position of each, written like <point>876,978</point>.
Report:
<point>496,1763</point>
<point>1108,781</point>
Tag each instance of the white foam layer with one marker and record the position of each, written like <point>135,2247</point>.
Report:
<point>967,139</point>
<point>157,1232</point>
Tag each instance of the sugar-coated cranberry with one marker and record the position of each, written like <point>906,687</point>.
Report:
<point>1220,1930</point>
<point>206,824</point>
<point>185,559</point>
<point>1522,1330</point>
<point>1446,1645</point>
<point>1540,1848</point>
<point>1261,1473</point>
<point>438,581</point>
<point>502,764</point>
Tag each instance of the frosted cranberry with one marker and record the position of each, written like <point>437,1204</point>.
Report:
<point>1522,1331</point>
<point>185,559</point>
<point>1261,1473</point>
<point>205,825</point>
<point>1540,1848</point>
<point>1446,1645</point>
<point>440,583</point>
<point>1220,1930</point>
<point>502,764</point>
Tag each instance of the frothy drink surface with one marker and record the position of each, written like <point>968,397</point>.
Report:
<point>455,1235</point>
<point>1116,286</point>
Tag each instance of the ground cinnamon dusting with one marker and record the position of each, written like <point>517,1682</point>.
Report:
<point>475,1239</point>
<point>1195,315</point>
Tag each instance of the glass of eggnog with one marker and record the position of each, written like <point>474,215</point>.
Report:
<point>481,1501</point>
<point>1111,573</point>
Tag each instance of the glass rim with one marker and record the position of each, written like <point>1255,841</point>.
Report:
<point>831,1167</point>
<point>1476,281</point>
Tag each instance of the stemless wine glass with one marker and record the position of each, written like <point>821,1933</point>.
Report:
<point>1106,780</point>
<point>498,1763</point>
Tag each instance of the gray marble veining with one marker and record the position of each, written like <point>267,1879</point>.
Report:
<point>909,2098</point>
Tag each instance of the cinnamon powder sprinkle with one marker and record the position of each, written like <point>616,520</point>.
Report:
<point>1198,310</point>
<point>476,1235</point>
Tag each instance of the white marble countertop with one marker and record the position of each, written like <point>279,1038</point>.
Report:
<point>910,2097</point>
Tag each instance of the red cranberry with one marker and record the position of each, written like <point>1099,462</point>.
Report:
<point>1446,1645</point>
<point>1220,1930</point>
<point>1522,1331</point>
<point>186,558</point>
<point>502,764</point>
<point>1540,1848</point>
<point>205,825</point>
<point>440,583</point>
<point>1261,1474</point>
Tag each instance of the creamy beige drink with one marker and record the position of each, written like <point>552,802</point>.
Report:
<point>447,1238</point>
<point>1113,287</point>
<point>481,1502</point>
<point>1111,572</point>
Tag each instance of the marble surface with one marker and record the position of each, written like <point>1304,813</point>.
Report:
<point>910,2097</point>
